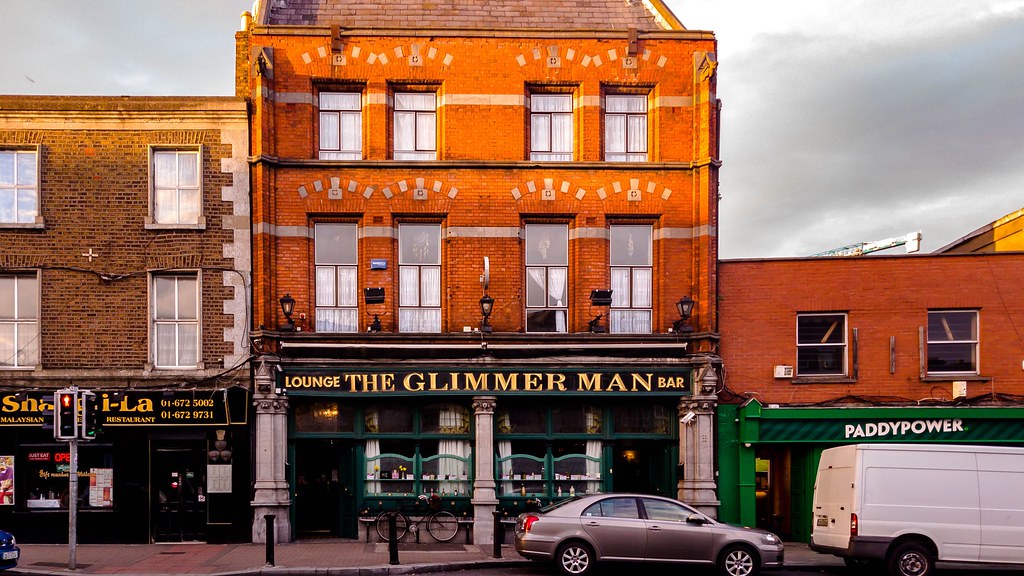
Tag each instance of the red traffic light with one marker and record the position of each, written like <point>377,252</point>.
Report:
<point>65,400</point>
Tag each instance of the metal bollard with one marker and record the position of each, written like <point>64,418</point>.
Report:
<point>393,539</point>
<point>270,538</point>
<point>499,533</point>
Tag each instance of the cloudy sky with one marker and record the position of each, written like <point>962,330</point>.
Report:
<point>843,121</point>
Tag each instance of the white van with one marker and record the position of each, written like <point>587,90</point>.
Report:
<point>910,505</point>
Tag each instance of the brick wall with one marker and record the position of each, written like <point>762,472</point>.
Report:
<point>482,181</point>
<point>94,195</point>
<point>884,297</point>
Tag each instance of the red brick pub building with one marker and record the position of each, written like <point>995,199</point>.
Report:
<point>472,226</point>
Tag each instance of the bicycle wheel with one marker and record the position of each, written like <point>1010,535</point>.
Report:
<point>442,525</point>
<point>383,526</point>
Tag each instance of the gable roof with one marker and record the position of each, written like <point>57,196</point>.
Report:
<point>644,15</point>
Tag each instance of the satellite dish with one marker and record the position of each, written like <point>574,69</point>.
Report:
<point>485,278</point>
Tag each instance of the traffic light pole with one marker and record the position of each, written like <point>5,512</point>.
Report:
<point>73,506</point>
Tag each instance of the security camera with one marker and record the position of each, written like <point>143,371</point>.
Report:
<point>688,417</point>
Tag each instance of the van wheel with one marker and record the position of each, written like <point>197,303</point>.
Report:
<point>737,561</point>
<point>575,559</point>
<point>911,559</point>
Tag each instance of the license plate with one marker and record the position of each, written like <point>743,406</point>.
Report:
<point>12,555</point>
<point>822,521</point>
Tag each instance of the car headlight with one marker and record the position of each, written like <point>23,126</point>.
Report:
<point>770,538</point>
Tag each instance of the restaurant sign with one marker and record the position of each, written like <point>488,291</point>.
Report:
<point>675,382</point>
<point>133,408</point>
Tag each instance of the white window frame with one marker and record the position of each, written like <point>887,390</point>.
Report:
<point>632,144</point>
<point>419,260</point>
<point>825,344</point>
<point>153,221</point>
<point>178,320</point>
<point>949,339</point>
<point>20,322</point>
<point>546,111</point>
<point>424,126</point>
<point>18,187</point>
<point>632,282</point>
<point>544,273</point>
<point>337,279</point>
<point>343,110</point>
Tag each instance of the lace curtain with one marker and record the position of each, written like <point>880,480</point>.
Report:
<point>420,297</point>
<point>593,466</point>
<point>372,451</point>
<point>336,286</point>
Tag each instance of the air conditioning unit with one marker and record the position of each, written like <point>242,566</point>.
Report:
<point>782,371</point>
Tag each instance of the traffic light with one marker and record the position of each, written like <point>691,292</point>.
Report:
<point>91,423</point>
<point>65,414</point>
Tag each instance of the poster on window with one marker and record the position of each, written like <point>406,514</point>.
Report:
<point>6,480</point>
<point>101,487</point>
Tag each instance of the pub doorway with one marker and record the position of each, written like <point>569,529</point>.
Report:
<point>644,467</point>
<point>178,481</point>
<point>325,504</point>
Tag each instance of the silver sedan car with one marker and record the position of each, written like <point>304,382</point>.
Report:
<point>579,532</point>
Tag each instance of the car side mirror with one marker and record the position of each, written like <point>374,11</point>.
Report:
<point>696,519</point>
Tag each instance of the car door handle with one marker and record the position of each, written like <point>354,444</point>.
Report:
<point>654,528</point>
<point>593,523</point>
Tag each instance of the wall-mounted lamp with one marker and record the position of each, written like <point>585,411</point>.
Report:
<point>599,298</point>
<point>374,296</point>
<point>685,309</point>
<point>486,306</point>
<point>288,307</point>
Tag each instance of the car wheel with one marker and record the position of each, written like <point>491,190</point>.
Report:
<point>737,561</point>
<point>911,559</point>
<point>575,559</point>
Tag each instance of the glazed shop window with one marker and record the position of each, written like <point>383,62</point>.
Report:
<point>341,126</point>
<point>415,126</point>
<point>419,281</point>
<point>644,419</point>
<point>177,194</point>
<point>434,456</point>
<point>19,186</point>
<point>625,128</point>
<point>551,127</point>
<point>176,321</point>
<point>953,342</point>
<point>547,270</point>
<point>19,321</point>
<point>41,479</point>
<point>318,415</point>
<point>821,344</point>
<point>336,277</point>
<point>631,273</point>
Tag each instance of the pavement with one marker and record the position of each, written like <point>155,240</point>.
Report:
<point>303,558</point>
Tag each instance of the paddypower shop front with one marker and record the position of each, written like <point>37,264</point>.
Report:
<point>768,455</point>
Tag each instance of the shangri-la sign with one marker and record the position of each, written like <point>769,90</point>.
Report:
<point>135,408</point>
<point>676,382</point>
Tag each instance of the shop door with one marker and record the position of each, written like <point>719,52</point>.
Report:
<point>179,494</point>
<point>324,489</point>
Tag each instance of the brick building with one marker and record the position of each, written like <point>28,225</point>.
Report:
<point>125,271</point>
<point>828,351</point>
<point>415,164</point>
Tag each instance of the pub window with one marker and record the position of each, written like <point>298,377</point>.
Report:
<point>631,273</point>
<point>419,282</point>
<point>336,277</point>
<point>547,270</point>
<point>319,415</point>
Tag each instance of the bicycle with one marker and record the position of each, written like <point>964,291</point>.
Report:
<point>441,524</point>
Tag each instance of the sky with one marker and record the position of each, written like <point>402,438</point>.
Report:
<point>842,121</point>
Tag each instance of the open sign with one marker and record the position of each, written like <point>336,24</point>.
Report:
<point>62,457</point>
